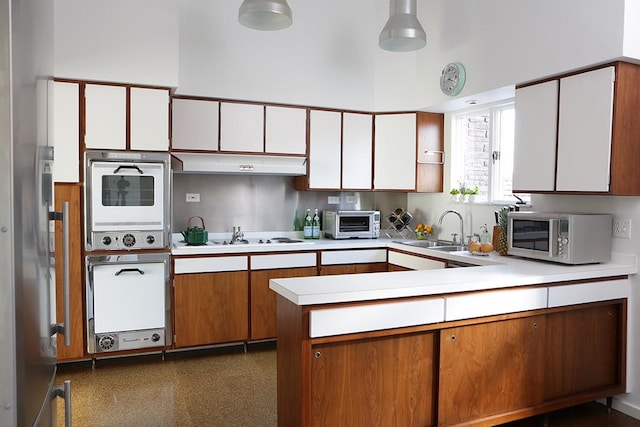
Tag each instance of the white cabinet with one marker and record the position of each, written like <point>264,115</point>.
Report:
<point>395,152</point>
<point>534,163</point>
<point>581,116</point>
<point>584,131</point>
<point>194,124</point>
<point>241,127</point>
<point>149,115</point>
<point>357,151</point>
<point>285,130</point>
<point>65,114</point>
<point>324,149</point>
<point>414,262</point>
<point>105,117</point>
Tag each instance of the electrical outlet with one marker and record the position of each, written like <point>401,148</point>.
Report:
<point>622,228</point>
<point>333,200</point>
<point>193,197</point>
<point>352,200</point>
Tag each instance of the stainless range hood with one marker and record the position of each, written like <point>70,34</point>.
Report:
<point>238,164</point>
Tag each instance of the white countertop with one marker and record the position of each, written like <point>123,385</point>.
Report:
<point>492,272</point>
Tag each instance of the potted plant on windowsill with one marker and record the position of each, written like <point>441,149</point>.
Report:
<point>471,193</point>
<point>455,194</point>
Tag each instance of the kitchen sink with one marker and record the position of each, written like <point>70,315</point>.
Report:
<point>436,245</point>
<point>448,248</point>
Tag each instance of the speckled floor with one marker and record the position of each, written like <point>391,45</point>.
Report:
<point>220,387</point>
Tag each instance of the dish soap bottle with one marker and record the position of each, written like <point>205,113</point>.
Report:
<point>308,222</point>
<point>484,235</point>
<point>315,226</point>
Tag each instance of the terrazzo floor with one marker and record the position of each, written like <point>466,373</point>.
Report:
<point>223,387</point>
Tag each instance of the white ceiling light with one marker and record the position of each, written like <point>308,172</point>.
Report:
<point>267,15</point>
<point>402,32</point>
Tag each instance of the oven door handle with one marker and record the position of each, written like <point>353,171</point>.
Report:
<point>129,270</point>
<point>129,167</point>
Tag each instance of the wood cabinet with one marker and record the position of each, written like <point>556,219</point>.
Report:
<point>404,261</point>
<point>194,124</point>
<point>353,261</point>
<point>593,115</point>
<point>241,127</point>
<point>65,116</point>
<point>70,193</point>
<point>490,368</point>
<point>380,381</point>
<point>431,156</point>
<point>395,152</point>
<point>285,130</point>
<point>126,118</point>
<point>211,308</point>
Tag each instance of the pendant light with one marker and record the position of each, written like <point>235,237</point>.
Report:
<point>402,31</point>
<point>266,15</point>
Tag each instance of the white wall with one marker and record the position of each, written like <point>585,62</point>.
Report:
<point>117,41</point>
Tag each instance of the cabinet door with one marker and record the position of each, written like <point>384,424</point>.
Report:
<point>70,193</point>
<point>194,124</point>
<point>584,132</point>
<point>105,117</point>
<point>149,118</point>
<point>395,152</point>
<point>357,151</point>
<point>66,131</point>
<point>263,299</point>
<point>324,149</point>
<point>584,351</point>
<point>286,130</point>
<point>375,382</point>
<point>534,162</point>
<point>430,168</point>
<point>490,368</point>
<point>241,127</point>
<point>211,308</point>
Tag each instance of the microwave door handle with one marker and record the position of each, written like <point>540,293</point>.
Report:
<point>128,167</point>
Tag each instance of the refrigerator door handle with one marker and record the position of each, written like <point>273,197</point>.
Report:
<point>65,393</point>
<point>64,328</point>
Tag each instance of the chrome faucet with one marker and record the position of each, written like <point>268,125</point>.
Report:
<point>461,225</point>
<point>237,236</point>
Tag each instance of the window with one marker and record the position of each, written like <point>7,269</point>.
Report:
<point>482,152</point>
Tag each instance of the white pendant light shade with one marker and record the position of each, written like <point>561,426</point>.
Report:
<point>266,15</point>
<point>403,31</point>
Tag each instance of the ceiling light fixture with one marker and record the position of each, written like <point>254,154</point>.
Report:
<point>402,31</point>
<point>266,15</point>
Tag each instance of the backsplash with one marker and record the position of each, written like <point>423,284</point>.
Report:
<point>262,203</point>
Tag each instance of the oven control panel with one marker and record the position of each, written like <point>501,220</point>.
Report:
<point>127,240</point>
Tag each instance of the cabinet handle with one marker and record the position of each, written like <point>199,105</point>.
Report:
<point>64,327</point>
<point>65,393</point>
<point>434,152</point>
<point>317,355</point>
<point>453,338</point>
<point>535,325</point>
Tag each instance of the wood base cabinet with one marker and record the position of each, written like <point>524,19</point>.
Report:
<point>211,308</point>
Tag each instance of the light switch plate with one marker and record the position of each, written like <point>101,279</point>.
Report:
<point>193,197</point>
<point>333,200</point>
<point>352,199</point>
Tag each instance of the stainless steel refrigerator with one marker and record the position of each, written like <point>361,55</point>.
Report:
<point>27,299</point>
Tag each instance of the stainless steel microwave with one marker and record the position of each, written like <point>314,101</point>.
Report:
<point>351,224</point>
<point>560,237</point>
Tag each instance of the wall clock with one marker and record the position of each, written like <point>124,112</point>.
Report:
<point>452,79</point>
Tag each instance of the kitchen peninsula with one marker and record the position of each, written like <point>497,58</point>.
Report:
<point>468,346</point>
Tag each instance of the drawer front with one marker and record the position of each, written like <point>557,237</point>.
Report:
<point>348,320</point>
<point>210,264</point>
<point>414,262</point>
<point>495,302</point>
<point>588,292</point>
<point>268,262</point>
<point>364,256</point>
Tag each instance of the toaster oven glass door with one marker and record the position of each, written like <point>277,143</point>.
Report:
<point>357,223</point>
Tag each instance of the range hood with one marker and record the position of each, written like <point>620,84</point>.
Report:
<point>238,164</point>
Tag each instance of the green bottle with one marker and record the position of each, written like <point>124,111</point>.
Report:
<point>315,226</point>
<point>308,224</point>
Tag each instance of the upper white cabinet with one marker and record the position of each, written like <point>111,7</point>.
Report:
<point>584,131</point>
<point>324,149</point>
<point>106,117</point>
<point>579,109</point>
<point>357,151</point>
<point>285,130</point>
<point>241,127</point>
<point>194,124</point>
<point>534,163</point>
<point>149,114</point>
<point>395,152</point>
<point>65,115</point>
